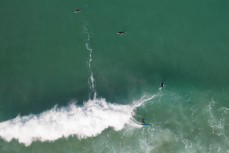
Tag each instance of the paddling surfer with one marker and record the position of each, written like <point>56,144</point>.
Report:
<point>120,33</point>
<point>77,10</point>
<point>162,84</point>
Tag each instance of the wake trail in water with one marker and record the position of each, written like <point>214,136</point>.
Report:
<point>91,80</point>
<point>85,121</point>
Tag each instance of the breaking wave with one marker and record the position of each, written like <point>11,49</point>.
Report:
<point>83,121</point>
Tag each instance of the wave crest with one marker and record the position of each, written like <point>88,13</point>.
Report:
<point>82,121</point>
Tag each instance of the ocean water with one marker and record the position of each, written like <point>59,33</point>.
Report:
<point>70,84</point>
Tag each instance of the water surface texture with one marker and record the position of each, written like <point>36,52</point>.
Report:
<point>70,84</point>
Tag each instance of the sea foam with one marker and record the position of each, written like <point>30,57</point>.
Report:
<point>83,121</point>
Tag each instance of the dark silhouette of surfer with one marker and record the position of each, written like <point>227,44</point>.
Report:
<point>77,10</point>
<point>162,84</point>
<point>120,33</point>
<point>143,121</point>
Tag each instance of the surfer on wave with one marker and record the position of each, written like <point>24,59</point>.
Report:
<point>143,121</point>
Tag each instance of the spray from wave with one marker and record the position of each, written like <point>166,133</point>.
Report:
<point>91,80</point>
<point>84,121</point>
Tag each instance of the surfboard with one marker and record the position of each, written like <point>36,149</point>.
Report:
<point>146,125</point>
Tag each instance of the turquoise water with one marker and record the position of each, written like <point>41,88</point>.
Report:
<point>70,84</point>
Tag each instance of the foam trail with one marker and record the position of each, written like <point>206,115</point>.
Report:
<point>91,80</point>
<point>81,121</point>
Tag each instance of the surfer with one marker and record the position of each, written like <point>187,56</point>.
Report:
<point>143,121</point>
<point>77,10</point>
<point>120,33</point>
<point>162,84</point>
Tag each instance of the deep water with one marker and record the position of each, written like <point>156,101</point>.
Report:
<point>70,84</point>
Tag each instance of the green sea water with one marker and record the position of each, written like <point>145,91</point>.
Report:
<point>44,61</point>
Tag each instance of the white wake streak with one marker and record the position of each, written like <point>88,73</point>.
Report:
<point>81,121</point>
<point>91,80</point>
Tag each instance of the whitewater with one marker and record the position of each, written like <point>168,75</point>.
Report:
<point>84,121</point>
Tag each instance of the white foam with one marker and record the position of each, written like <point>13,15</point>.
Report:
<point>82,121</point>
<point>91,80</point>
